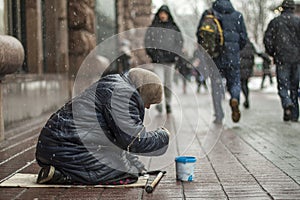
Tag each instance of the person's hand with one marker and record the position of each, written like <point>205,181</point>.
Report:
<point>166,130</point>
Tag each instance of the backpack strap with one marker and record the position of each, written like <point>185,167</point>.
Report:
<point>220,31</point>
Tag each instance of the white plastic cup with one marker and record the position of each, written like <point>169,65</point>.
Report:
<point>185,166</point>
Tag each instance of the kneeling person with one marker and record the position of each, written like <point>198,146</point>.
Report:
<point>95,137</point>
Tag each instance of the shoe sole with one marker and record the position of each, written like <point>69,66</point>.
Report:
<point>45,175</point>
<point>236,114</point>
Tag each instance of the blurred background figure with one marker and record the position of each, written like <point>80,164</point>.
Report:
<point>124,61</point>
<point>200,79</point>
<point>158,42</point>
<point>228,60</point>
<point>122,64</point>
<point>282,39</point>
<point>184,68</point>
<point>247,62</point>
<point>266,68</point>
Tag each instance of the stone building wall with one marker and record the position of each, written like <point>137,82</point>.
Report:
<point>135,14</point>
<point>56,36</point>
<point>82,39</point>
<point>297,10</point>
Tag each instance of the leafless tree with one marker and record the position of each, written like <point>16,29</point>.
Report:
<point>209,2</point>
<point>257,14</point>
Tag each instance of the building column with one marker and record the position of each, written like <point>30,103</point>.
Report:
<point>135,14</point>
<point>34,41</point>
<point>56,36</point>
<point>82,39</point>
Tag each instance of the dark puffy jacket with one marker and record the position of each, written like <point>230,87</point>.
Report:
<point>163,45</point>
<point>247,60</point>
<point>282,38</point>
<point>234,31</point>
<point>88,139</point>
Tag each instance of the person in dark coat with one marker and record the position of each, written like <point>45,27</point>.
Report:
<point>266,68</point>
<point>184,68</point>
<point>247,63</point>
<point>94,138</point>
<point>164,42</point>
<point>200,79</point>
<point>282,42</point>
<point>124,61</point>
<point>228,62</point>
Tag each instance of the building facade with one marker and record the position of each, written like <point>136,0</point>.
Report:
<point>56,36</point>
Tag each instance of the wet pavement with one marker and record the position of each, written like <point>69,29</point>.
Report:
<point>257,158</point>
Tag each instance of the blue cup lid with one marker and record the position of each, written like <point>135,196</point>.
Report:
<point>185,159</point>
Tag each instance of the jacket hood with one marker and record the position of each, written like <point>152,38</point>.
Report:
<point>167,10</point>
<point>288,4</point>
<point>148,85</point>
<point>164,8</point>
<point>223,6</point>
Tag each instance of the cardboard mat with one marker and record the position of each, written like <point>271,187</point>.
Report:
<point>29,180</point>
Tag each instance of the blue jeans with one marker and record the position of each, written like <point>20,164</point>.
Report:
<point>233,84</point>
<point>288,83</point>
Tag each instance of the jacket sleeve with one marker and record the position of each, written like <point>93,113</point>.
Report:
<point>126,126</point>
<point>269,40</point>
<point>242,32</point>
<point>149,37</point>
<point>134,160</point>
<point>179,38</point>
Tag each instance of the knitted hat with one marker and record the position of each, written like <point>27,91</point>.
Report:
<point>288,4</point>
<point>148,84</point>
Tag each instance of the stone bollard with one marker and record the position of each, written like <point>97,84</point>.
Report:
<point>11,59</point>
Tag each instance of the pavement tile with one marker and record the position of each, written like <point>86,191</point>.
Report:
<point>257,158</point>
<point>43,193</point>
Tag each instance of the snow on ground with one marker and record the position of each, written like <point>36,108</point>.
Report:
<point>255,83</point>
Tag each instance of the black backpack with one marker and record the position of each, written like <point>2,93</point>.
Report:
<point>211,33</point>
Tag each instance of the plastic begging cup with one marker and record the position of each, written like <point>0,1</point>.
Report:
<point>185,166</point>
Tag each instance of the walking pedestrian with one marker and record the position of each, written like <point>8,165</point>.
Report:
<point>247,63</point>
<point>124,61</point>
<point>266,68</point>
<point>200,79</point>
<point>90,139</point>
<point>282,42</point>
<point>228,60</point>
<point>184,68</point>
<point>163,42</point>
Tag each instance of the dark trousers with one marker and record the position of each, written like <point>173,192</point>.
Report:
<point>245,89</point>
<point>288,84</point>
<point>264,77</point>
<point>233,85</point>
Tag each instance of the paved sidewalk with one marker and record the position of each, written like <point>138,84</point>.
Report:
<point>258,158</point>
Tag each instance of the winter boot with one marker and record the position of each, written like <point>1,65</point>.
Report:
<point>49,175</point>
<point>246,104</point>
<point>159,108</point>
<point>218,121</point>
<point>287,114</point>
<point>236,114</point>
<point>168,109</point>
